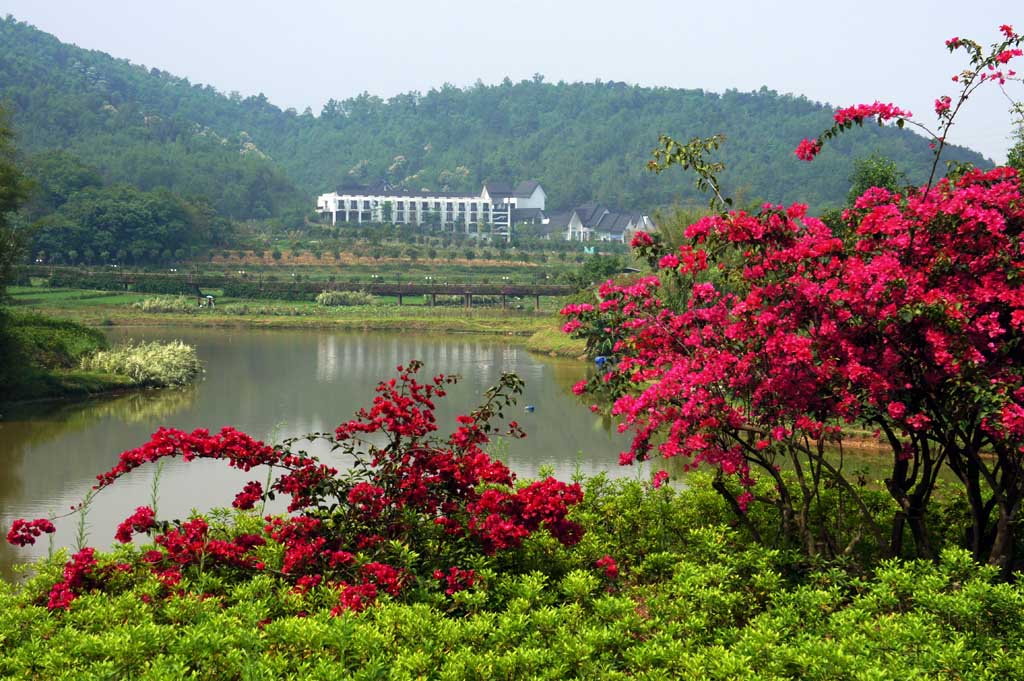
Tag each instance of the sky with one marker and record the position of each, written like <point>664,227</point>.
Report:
<point>303,52</point>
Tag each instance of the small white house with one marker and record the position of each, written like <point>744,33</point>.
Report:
<point>595,222</point>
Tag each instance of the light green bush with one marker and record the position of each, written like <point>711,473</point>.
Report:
<point>340,298</point>
<point>149,364</point>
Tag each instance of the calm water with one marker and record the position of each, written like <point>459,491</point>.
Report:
<point>272,385</point>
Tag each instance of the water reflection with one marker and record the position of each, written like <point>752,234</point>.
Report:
<point>272,383</point>
<point>39,445</point>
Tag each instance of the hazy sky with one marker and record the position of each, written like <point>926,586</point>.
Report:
<point>302,52</point>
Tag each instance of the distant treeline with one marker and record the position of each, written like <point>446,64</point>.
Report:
<point>118,123</point>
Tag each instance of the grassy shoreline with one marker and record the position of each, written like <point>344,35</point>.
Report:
<point>52,357</point>
<point>98,309</point>
<point>538,332</point>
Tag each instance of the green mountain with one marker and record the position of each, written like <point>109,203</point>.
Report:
<point>249,159</point>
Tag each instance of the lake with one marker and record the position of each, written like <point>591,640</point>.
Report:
<point>273,384</point>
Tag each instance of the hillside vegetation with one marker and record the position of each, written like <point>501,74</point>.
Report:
<point>247,158</point>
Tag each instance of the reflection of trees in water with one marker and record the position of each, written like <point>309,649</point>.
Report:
<point>54,418</point>
<point>145,406</point>
<point>27,426</point>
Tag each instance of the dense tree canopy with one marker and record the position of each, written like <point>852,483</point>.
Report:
<point>121,224</point>
<point>13,189</point>
<point>581,140</point>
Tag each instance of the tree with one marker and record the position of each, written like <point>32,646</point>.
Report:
<point>912,327</point>
<point>874,171</point>
<point>595,269</point>
<point>1015,156</point>
<point>14,190</point>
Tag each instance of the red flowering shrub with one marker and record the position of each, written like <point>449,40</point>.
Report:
<point>142,520</point>
<point>25,532</point>
<point>912,324</point>
<point>444,499</point>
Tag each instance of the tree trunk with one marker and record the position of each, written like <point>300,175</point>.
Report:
<point>1001,553</point>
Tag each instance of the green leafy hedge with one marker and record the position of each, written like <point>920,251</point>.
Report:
<point>692,599</point>
<point>252,291</point>
<point>114,281</point>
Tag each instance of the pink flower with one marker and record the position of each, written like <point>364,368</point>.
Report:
<point>807,149</point>
<point>668,261</point>
<point>857,113</point>
<point>660,478</point>
<point>1007,55</point>
<point>942,104</point>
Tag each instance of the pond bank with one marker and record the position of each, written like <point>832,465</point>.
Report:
<point>99,308</point>
<point>47,358</point>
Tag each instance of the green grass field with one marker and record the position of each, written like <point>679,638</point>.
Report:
<point>100,308</point>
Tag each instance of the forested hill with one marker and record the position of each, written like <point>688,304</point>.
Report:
<point>581,140</point>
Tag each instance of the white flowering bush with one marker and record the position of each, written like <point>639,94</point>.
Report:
<point>341,298</point>
<point>152,364</point>
<point>165,304</point>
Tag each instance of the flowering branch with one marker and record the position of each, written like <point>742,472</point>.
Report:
<point>984,68</point>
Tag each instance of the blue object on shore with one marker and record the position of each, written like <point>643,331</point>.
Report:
<point>600,360</point>
<point>530,407</point>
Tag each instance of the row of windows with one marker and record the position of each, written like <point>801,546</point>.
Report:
<point>353,204</point>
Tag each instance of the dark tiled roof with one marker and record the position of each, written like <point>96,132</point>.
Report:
<point>527,214</point>
<point>498,189</point>
<point>560,219</point>
<point>526,188</point>
<point>590,213</point>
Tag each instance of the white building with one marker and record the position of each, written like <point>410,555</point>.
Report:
<point>594,222</point>
<point>493,211</point>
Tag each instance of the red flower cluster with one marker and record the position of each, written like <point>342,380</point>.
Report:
<point>240,451</point>
<point>1006,55</point>
<point>858,112</point>
<point>141,521</point>
<point>455,579</point>
<point>501,520</point>
<point>77,572</point>
<point>191,544</point>
<point>610,567</point>
<point>24,532</point>
<point>250,494</point>
<point>355,598</point>
<point>808,149</point>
